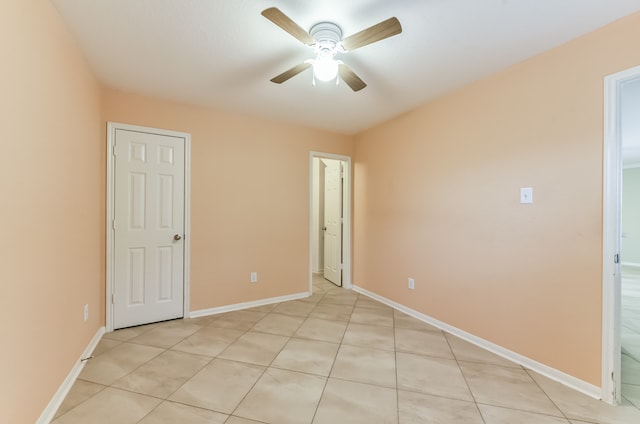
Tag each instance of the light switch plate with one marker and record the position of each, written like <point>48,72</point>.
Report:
<point>526,195</point>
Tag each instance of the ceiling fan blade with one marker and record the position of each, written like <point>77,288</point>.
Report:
<point>350,78</point>
<point>283,21</point>
<point>290,73</point>
<point>380,31</point>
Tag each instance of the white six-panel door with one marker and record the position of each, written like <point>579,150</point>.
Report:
<point>333,221</point>
<point>149,205</point>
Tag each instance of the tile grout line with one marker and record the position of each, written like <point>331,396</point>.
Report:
<point>324,388</point>
<point>395,358</point>
<point>315,412</point>
<point>464,377</point>
<point>104,386</point>
<point>216,357</point>
<point>547,395</point>
<point>268,366</point>
<point>166,399</point>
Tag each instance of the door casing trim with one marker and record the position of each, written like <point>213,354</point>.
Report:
<point>112,127</point>
<point>611,234</point>
<point>346,209</point>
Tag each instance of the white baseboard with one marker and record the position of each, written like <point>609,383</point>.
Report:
<point>552,373</point>
<point>51,409</point>
<point>247,305</point>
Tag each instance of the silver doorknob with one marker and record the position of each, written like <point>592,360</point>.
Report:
<point>177,237</point>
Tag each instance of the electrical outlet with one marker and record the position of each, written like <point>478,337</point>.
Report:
<point>254,277</point>
<point>412,283</point>
<point>86,312</point>
<point>526,195</point>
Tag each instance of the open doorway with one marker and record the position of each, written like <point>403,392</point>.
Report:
<point>630,243</point>
<point>621,238</point>
<point>330,219</point>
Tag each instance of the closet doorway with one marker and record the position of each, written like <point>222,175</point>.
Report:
<point>330,218</point>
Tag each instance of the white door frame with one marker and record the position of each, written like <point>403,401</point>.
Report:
<point>611,235</point>
<point>331,209</point>
<point>346,209</point>
<point>110,262</point>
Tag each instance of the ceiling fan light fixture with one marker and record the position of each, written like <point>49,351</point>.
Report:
<point>327,36</point>
<point>325,68</point>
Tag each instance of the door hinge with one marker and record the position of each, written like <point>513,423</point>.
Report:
<point>616,258</point>
<point>113,224</point>
<point>113,302</point>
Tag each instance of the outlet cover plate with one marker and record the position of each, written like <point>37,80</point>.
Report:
<point>526,195</point>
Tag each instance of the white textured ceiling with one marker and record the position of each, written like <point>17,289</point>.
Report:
<point>222,53</point>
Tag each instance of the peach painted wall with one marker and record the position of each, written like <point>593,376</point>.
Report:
<point>52,194</point>
<point>249,196</point>
<point>437,199</point>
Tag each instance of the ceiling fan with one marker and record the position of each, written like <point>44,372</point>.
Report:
<point>325,38</point>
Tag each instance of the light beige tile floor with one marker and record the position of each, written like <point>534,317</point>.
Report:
<point>334,358</point>
<point>630,335</point>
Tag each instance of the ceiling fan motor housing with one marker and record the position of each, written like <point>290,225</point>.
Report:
<point>327,36</point>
